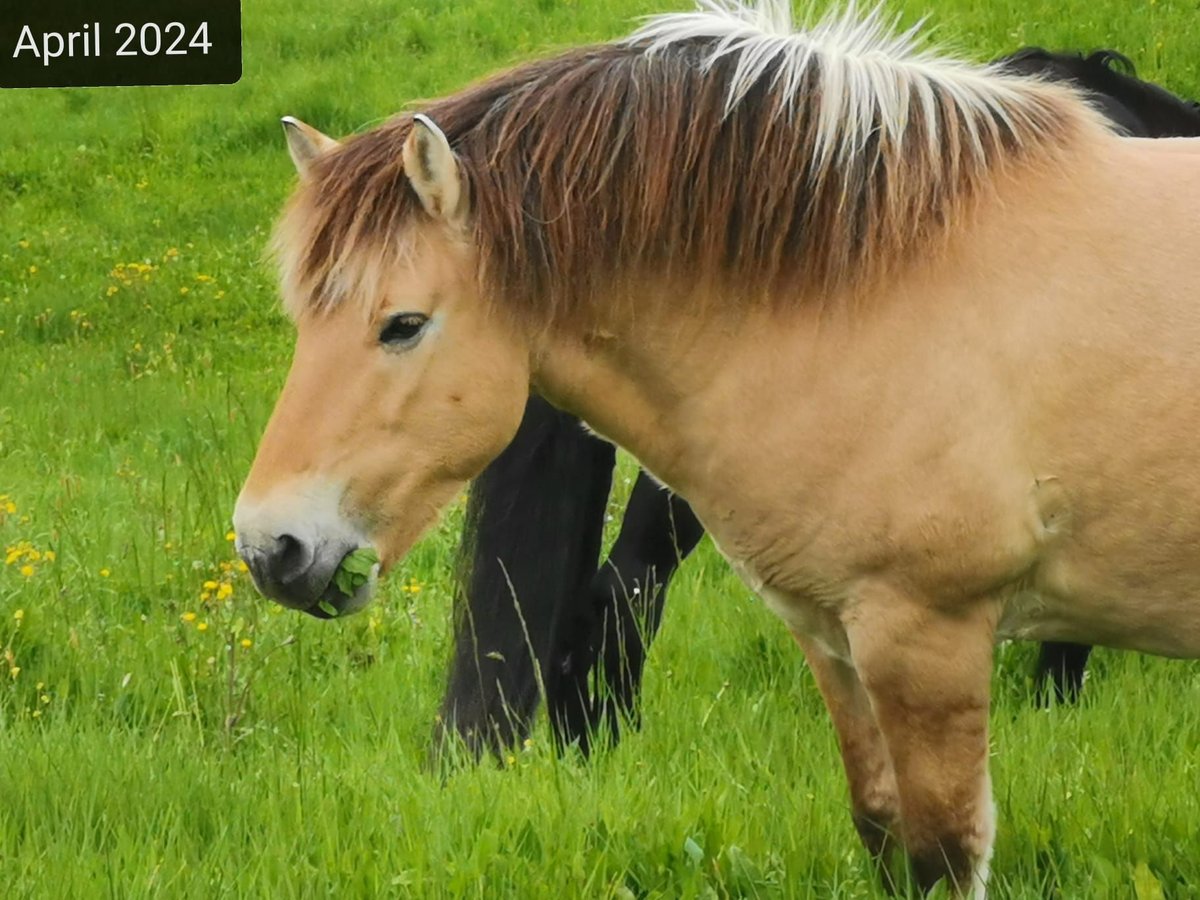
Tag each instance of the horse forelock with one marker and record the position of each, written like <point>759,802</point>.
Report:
<point>710,148</point>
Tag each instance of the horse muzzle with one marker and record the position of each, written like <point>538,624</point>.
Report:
<point>293,558</point>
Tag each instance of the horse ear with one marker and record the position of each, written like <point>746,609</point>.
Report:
<point>305,143</point>
<point>434,171</point>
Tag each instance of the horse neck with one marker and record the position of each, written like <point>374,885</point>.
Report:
<point>653,381</point>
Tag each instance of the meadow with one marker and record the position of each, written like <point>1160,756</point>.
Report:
<point>166,733</point>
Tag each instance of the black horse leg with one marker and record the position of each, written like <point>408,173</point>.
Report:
<point>534,525</point>
<point>603,651</point>
<point>1063,666</point>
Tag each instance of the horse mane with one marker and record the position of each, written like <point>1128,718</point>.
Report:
<point>714,148</point>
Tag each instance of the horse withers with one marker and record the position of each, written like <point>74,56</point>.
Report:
<point>959,404</point>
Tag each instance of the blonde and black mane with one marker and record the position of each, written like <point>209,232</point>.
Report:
<point>711,148</point>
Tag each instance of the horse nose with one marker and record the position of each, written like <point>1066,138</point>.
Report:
<point>283,560</point>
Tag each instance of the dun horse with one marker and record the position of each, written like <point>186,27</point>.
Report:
<point>915,338</point>
<point>535,612</point>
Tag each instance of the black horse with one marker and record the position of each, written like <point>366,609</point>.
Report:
<point>535,616</point>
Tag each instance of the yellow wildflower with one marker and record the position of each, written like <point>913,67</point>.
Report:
<point>33,270</point>
<point>224,591</point>
<point>188,617</point>
<point>202,626</point>
<point>171,253</point>
<point>210,585</point>
<point>9,506</point>
<point>27,571</point>
<point>50,556</point>
<point>241,566</point>
<point>247,643</point>
<point>231,535</point>
<point>19,615</point>
<point>14,672</point>
<point>184,290</point>
<point>23,244</point>
<point>104,573</point>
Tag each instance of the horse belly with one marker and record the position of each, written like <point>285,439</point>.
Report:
<point>1106,599</point>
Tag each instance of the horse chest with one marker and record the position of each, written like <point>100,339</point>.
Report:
<point>803,615</point>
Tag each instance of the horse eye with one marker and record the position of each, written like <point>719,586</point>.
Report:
<point>402,328</point>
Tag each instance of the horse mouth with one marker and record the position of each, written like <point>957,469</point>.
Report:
<point>334,603</point>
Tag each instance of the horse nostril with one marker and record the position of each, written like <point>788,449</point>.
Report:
<point>289,559</point>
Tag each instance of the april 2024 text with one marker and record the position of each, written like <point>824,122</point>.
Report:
<point>123,39</point>
<point>112,43</point>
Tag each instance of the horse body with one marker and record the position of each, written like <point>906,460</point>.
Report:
<point>946,436</point>
<point>910,399</point>
<point>559,618</point>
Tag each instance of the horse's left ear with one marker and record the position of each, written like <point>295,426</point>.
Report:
<point>434,171</point>
<point>305,143</point>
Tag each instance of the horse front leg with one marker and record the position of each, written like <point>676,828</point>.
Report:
<point>629,592</point>
<point>927,673</point>
<point>874,801</point>
<point>530,543</point>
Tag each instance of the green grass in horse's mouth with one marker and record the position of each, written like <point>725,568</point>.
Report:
<point>352,574</point>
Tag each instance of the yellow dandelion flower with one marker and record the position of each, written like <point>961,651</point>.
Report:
<point>112,289</point>
<point>224,592</point>
<point>14,672</point>
<point>12,557</point>
<point>10,507</point>
<point>241,566</point>
<point>202,626</point>
<point>33,270</point>
<point>44,698</point>
<point>205,596</point>
<point>104,573</point>
<point>171,253</point>
<point>247,643</point>
<point>27,570</point>
<point>50,556</point>
<point>19,615</point>
<point>188,617</point>
<point>184,290</point>
<point>210,585</point>
<point>512,760</point>
<point>231,535</point>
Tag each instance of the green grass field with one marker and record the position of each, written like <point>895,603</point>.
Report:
<point>163,732</point>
